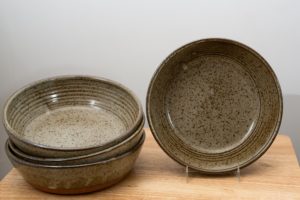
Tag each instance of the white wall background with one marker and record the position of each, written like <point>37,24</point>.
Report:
<point>126,41</point>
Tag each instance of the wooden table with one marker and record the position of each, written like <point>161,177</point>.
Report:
<point>155,176</point>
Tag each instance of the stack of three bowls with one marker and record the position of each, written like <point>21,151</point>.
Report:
<point>73,134</point>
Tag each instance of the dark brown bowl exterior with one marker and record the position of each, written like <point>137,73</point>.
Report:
<point>76,179</point>
<point>214,105</point>
<point>49,95</point>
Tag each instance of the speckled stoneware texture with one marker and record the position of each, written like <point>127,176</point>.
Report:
<point>75,179</point>
<point>214,105</point>
<point>113,151</point>
<point>71,116</point>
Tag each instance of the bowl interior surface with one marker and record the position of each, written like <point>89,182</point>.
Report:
<point>216,96</point>
<point>211,99</point>
<point>72,112</point>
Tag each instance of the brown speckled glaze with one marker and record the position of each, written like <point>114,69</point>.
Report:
<point>71,116</point>
<point>75,126</point>
<point>75,179</point>
<point>214,105</point>
<point>197,101</point>
<point>110,152</point>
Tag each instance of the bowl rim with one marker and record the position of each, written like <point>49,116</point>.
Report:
<point>272,136</point>
<point>19,152</point>
<point>12,133</point>
<point>10,154</point>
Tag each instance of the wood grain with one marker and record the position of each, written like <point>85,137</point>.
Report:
<point>155,176</point>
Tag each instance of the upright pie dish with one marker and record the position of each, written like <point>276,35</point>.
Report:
<point>214,105</point>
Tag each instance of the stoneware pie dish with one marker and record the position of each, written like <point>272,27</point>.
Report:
<point>214,105</point>
<point>71,116</point>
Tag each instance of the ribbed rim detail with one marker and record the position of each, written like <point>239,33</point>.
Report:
<point>33,99</point>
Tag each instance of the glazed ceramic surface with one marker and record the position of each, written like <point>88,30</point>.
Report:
<point>113,151</point>
<point>75,179</point>
<point>71,116</point>
<point>214,105</point>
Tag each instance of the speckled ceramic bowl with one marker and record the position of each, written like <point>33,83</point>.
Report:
<point>71,116</point>
<point>113,151</point>
<point>75,179</point>
<point>214,105</point>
